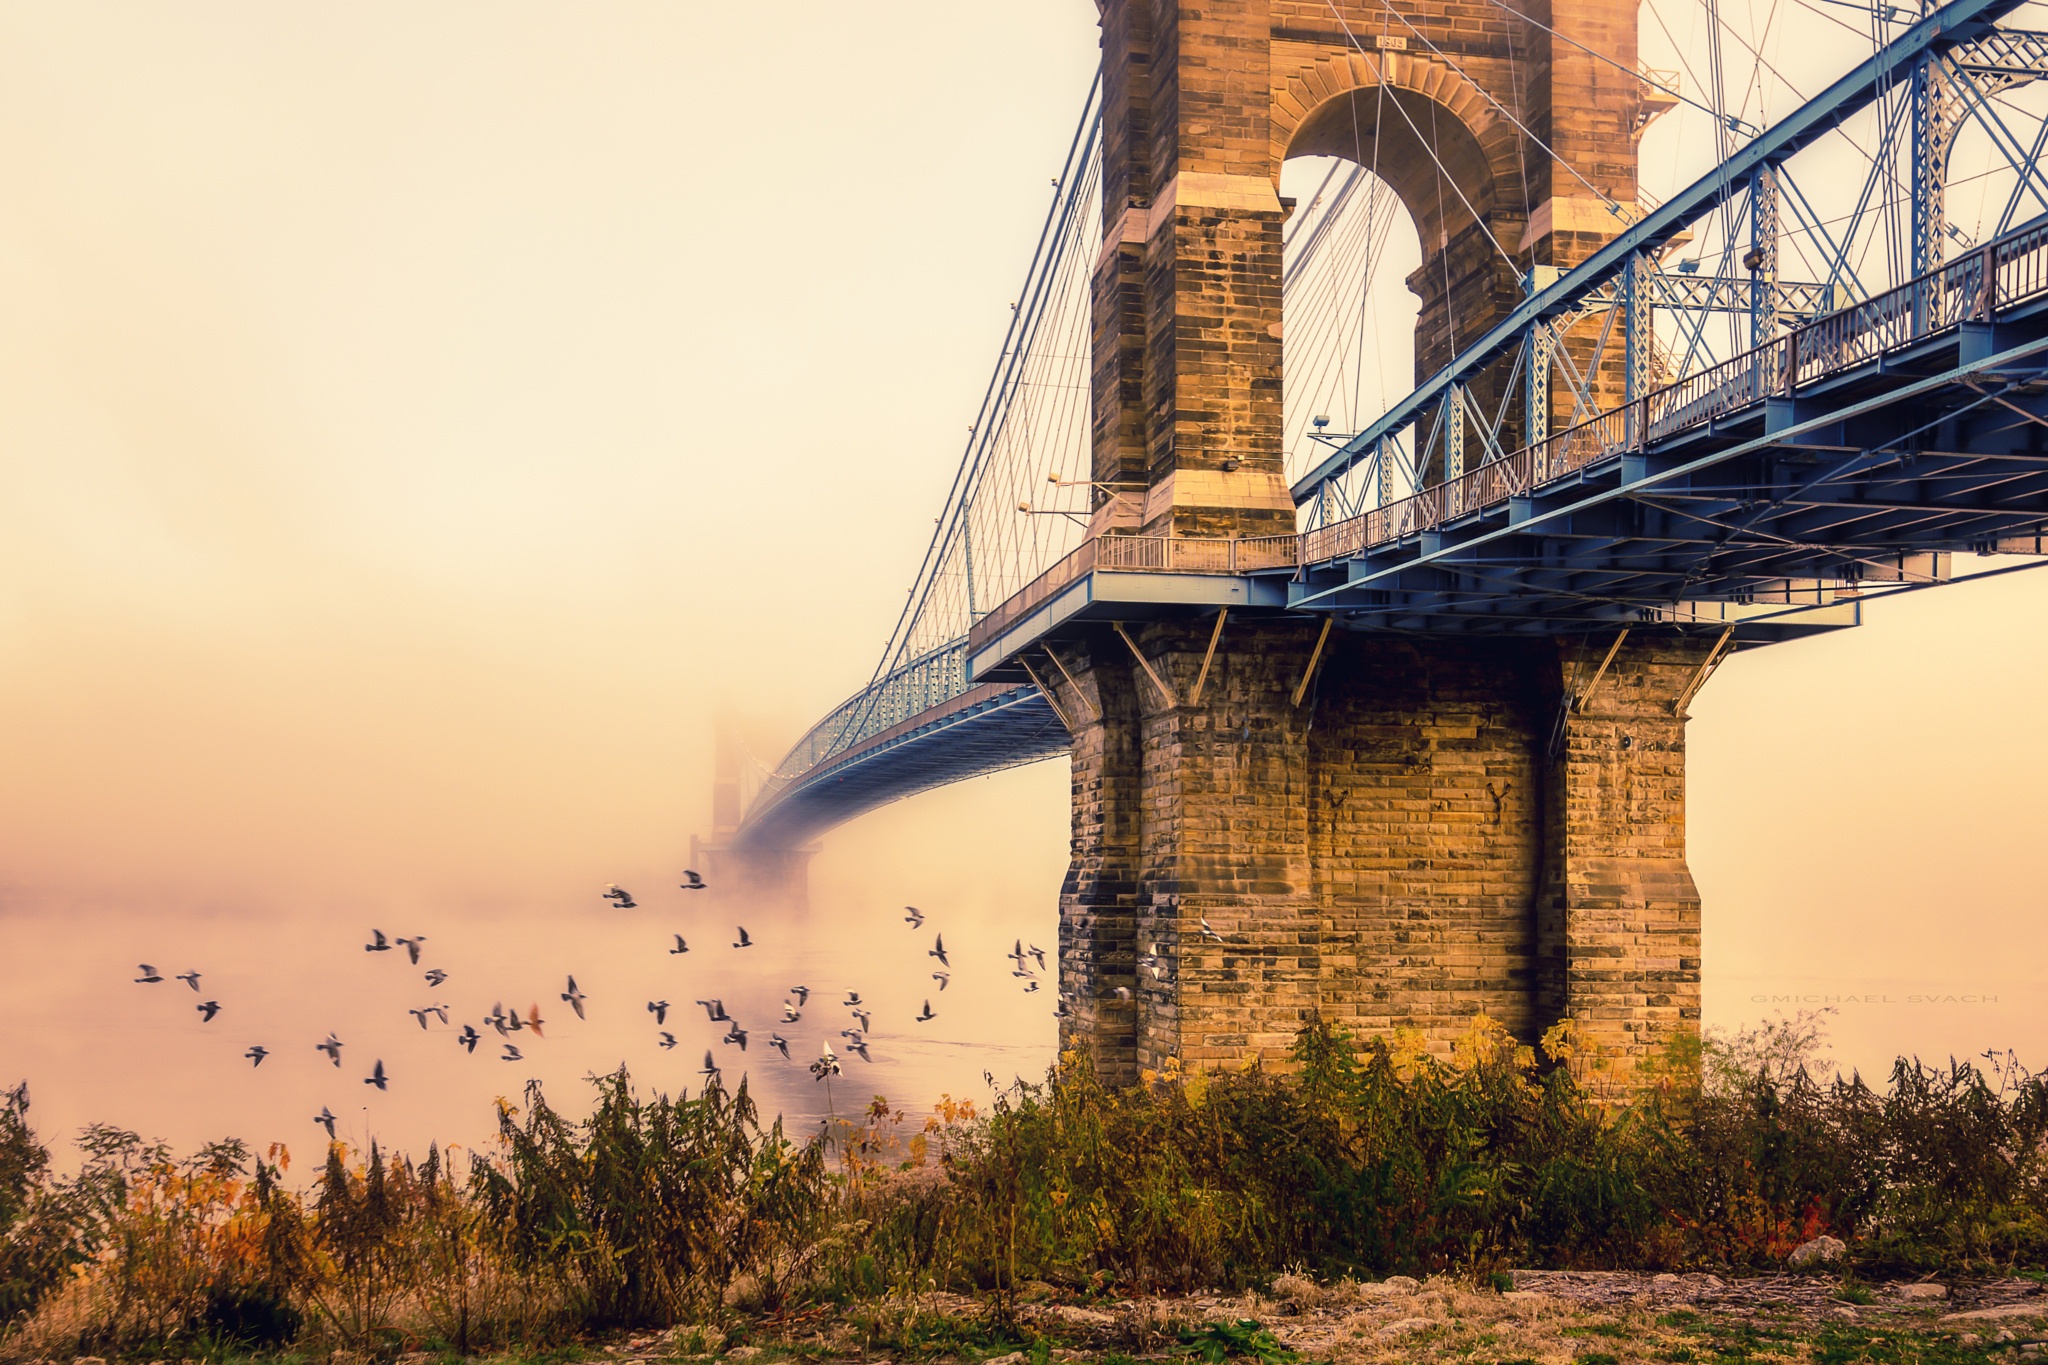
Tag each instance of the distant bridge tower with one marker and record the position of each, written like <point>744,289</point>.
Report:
<point>1386,831</point>
<point>769,876</point>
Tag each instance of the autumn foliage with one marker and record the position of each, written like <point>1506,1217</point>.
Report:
<point>1361,1159</point>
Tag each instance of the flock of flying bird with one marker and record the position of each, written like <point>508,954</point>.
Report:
<point>508,1023</point>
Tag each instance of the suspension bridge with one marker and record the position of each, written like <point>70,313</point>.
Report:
<point>1385,724</point>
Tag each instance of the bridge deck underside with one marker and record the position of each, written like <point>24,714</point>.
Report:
<point>984,730</point>
<point>1926,452</point>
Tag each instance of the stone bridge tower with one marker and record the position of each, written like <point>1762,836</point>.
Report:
<point>1409,830</point>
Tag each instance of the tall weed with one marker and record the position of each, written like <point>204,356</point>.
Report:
<point>1365,1159</point>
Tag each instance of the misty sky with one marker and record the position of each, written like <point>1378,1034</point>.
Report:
<point>418,423</point>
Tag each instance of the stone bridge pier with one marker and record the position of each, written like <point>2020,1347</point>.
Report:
<point>1430,833</point>
<point>1424,831</point>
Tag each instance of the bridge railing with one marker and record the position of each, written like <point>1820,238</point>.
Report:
<point>1139,554</point>
<point>933,677</point>
<point>2011,270</point>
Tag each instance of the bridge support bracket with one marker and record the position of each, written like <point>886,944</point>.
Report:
<point>1046,692</point>
<point>1215,637</point>
<point>1146,664</point>
<point>1586,695</point>
<point>1315,657</point>
<point>1706,669</point>
<point>1080,697</point>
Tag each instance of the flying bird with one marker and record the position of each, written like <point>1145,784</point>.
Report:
<point>439,1011</point>
<point>852,998</point>
<point>256,1054</point>
<point>1039,953</point>
<point>745,940</point>
<point>412,947</point>
<point>659,1009</point>
<point>691,881</point>
<point>469,1037</point>
<point>436,976</point>
<point>574,997</point>
<point>511,1054</point>
<point>1122,992</point>
<point>681,947</point>
<point>780,1044</point>
<point>1060,1011</point>
<point>710,1071</point>
<point>789,1013</point>
<point>942,978</point>
<point>497,1018</point>
<point>618,896</point>
<point>377,1076</point>
<point>1209,931</point>
<point>938,950</point>
<point>326,1120</point>
<point>377,943</point>
<point>860,1045</point>
<point>1030,988</point>
<point>865,1025</point>
<point>150,976</point>
<point>913,917</point>
<point>534,1021</point>
<point>190,978</point>
<point>736,1034</point>
<point>332,1047</point>
<point>715,1010</point>
<point>802,994</point>
<point>668,1040</point>
<point>208,1008</point>
<point>927,1013</point>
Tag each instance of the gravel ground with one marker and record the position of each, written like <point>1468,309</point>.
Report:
<point>1548,1318</point>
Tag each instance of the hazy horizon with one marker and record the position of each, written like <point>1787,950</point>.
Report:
<point>419,424</point>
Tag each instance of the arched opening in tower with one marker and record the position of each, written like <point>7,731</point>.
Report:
<point>1348,313</point>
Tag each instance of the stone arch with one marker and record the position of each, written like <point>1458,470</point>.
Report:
<point>1444,148</point>
<point>1369,109</point>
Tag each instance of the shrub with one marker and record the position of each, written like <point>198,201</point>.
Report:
<point>1365,1159</point>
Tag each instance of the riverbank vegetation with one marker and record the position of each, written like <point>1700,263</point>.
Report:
<point>1360,1162</point>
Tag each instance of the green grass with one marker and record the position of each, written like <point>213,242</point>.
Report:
<point>1216,1342</point>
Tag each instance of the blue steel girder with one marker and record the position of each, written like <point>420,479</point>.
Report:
<point>983,730</point>
<point>1852,488</point>
<point>1959,21</point>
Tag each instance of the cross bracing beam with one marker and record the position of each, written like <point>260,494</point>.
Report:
<point>1960,21</point>
<point>1675,290</point>
<point>2003,52</point>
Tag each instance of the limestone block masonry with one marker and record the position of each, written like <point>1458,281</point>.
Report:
<point>1508,130</point>
<point>1433,829</point>
<point>1434,832</point>
<point>1436,827</point>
